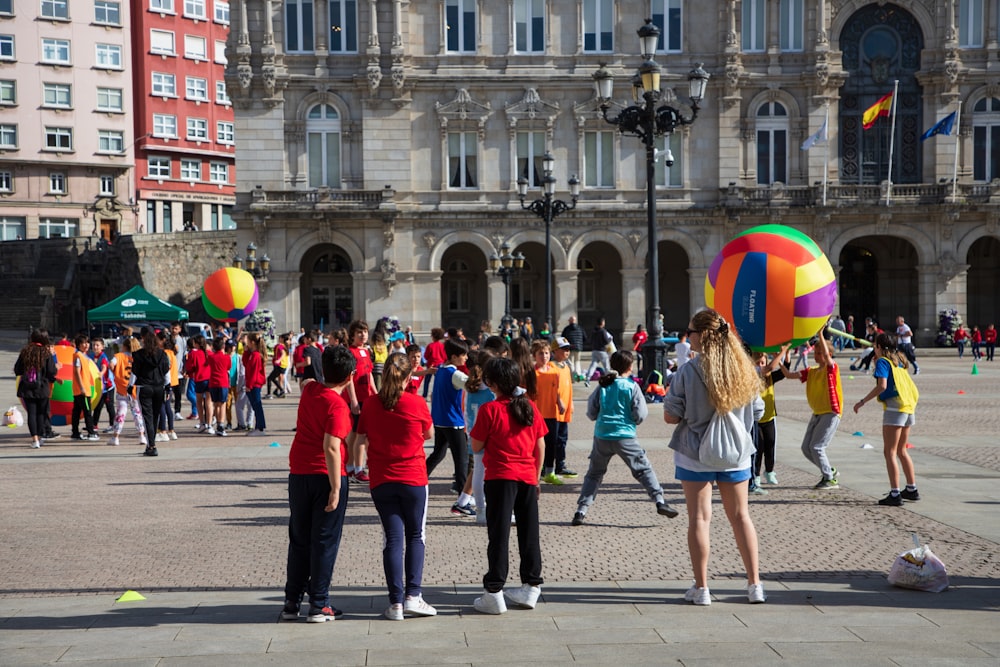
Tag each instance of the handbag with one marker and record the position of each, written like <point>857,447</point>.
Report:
<point>726,442</point>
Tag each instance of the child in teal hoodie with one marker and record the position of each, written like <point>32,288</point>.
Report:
<point>617,407</point>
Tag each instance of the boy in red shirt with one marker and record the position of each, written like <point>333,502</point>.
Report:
<point>317,488</point>
<point>219,365</point>
<point>418,372</point>
<point>362,388</point>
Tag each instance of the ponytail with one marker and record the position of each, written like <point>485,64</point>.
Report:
<point>395,375</point>
<point>505,374</point>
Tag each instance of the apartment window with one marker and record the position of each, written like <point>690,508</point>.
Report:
<point>970,23</point>
<point>222,12</point>
<point>196,88</point>
<point>323,146</point>
<point>221,95</point>
<point>55,228</point>
<point>343,26</point>
<point>109,99</point>
<point>197,129</point>
<point>164,85</point>
<point>792,16</point>
<point>224,133</point>
<point>109,56</point>
<point>673,176</point>
<point>107,185</point>
<point>59,138</point>
<point>986,139</point>
<point>599,159</point>
<point>220,52</point>
<point>190,170</point>
<point>110,141</point>
<point>55,51</point>
<point>57,183</point>
<point>529,26</point>
<point>12,229</point>
<point>6,181</point>
<point>165,6</point>
<point>108,12</point>
<point>530,149</point>
<point>772,144</point>
<point>460,25</point>
<point>194,9</point>
<point>8,92</point>
<point>8,135</point>
<point>218,172</point>
<point>6,47</point>
<point>6,6</point>
<point>164,125</point>
<point>462,160</point>
<point>598,24</point>
<point>57,95</point>
<point>299,26</point>
<point>754,24</point>
<point>55,9</point>
<point>159,167</point>
<point>162,42</point>
<point>667,17</point>
<point>195,47</point>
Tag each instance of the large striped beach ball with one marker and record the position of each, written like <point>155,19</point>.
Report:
<point>229,294</point>
<point>774,284</point>
<point>61,397</point>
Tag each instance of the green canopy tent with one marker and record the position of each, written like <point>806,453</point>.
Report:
<point>137,305</point>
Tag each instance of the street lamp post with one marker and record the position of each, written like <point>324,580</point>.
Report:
<point>646,120</point>
<point>506,266</point>
<point>259,268</point>
<point>548,208</point>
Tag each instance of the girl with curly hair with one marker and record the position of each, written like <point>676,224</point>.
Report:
<point>37,369</point>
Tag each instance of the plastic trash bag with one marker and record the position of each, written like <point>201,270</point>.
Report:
<point>13,418</point>
<point>919,569</point>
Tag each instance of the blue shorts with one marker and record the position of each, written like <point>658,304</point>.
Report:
<point>200,386</point>
<point>734,476</point>
<point>219,394</point>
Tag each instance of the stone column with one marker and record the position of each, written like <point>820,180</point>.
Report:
<point>926,321</point>
<point>495,296</point>
<point>282,294</point>
<point>565,302</point>
<point>633,298</point>
<point>696,285</point>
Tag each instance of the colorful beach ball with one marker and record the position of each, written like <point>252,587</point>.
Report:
<point>774,284</point>
<point>61,398</point>
<point>229,295</point>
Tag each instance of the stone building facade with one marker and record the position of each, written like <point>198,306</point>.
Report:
<point>378,159</point>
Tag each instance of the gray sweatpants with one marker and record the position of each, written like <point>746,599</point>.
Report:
<point>634,457</point>
<point>819,433</point>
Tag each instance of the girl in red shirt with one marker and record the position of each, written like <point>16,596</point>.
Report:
<point>511,434</point>
<point>196,368</point>
<point>219,364</point>
<point>395,424</point>
<point>253,364</point>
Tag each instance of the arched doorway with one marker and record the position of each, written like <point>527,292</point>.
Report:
<point>464,300</point>
<point>878,279</point>
<point>327,288</point>
<point>983,278</point>
<point>599,289</point>
<point>675,292</point>
<point>881,43</point>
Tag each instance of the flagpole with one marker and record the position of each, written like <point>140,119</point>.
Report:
<point>826,151</point>
<point>892,139</point>
<point>954,169</point>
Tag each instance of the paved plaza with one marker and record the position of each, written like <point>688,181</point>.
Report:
<point>201,532</point>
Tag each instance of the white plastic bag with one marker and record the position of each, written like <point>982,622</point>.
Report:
<point>13,418</point>
<point>726,442</point>
<point>919,569</point>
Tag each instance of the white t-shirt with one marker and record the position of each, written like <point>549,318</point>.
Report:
<point>683,350</point>
<point>904,334</point>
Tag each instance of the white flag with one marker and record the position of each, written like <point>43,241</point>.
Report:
<point>820,136</point>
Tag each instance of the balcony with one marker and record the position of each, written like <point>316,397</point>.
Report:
<point>779,195</point>
<point>320,200</point>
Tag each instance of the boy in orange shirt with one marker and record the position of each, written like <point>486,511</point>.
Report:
<point>550,404</point>
<point>561,350</point>
<point>83,385</point>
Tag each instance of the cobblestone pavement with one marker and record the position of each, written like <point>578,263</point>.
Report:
<point>210,513</point>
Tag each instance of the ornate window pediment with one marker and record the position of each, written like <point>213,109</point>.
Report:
<point>532,109</point>
<point>464,110</point>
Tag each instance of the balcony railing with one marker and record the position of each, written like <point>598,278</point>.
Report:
<point>319,199</point>
<point>780,195</point>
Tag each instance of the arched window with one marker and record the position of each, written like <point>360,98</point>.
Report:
<point>323,145</point>
<point>772,144</point>
<point>986,139</point>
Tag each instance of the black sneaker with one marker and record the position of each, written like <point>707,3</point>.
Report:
<point>150,451</point>
<point>566,472</point>
<point>664,509</point>
<point>910,495</point>
<point>578,518</point>
<point>290,612</point>
<point>894,501</point>
<point>51,435</point>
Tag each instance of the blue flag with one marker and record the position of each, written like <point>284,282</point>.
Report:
<point>943,126</point>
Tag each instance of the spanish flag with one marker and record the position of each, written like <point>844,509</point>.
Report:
<point>881,108</point>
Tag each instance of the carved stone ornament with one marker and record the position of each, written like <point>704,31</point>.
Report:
<point>374,73</point>
<point>566,239</point>
<point>951,70</point>
<point>531,107</point>
<point>464,109</point>
<point>324,231</point>
<point>634,238</point>
<point>389,281</point>
<point>429,240</point>
<point>882,223</point>
<point>822,74</point>
<point>389,234</point>
<point>398,77</point>
<point>245,75</point>
<point>269,76</point>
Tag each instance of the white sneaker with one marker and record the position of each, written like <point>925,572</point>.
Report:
<point>526,596</point>
<point>490,603</point>
<point>209,431</point>
<point>113,441</point>
<point>394,612</point>
<point>35,444</point>
<point>201,428</point>
<point>699,596</point>
<point>171,435</point>
<point>178,415</point>
<point>415,606</point>
<point>755,593</point>
<point>160,437</point>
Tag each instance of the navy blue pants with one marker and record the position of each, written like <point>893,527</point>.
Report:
<point>504,496</point>
<point>555,444</point>
<point>313,538</point>
<point>403,511</point>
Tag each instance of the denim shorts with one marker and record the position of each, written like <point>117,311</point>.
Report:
<point>685,475</point>
<point>200,386</point>
<point>219,394</point>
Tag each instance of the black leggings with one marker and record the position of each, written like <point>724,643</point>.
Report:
<point>276,376</point>
<point>766,439</point>
<point>38,410</point>
<point>446,438</point>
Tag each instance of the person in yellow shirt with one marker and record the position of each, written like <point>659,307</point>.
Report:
<point>83,385</point>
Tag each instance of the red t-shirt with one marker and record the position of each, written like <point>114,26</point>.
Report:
<point>510,447</point>
<point>219,364</point>
<point>196,366</point>
<point>321,411</point>
<point>396,440</point>
<point>434,353</point>
<point>297,359</point>
<point>989,335</point>
<point>253,365</point>
<point>363,387</point>
<point>413,385</point>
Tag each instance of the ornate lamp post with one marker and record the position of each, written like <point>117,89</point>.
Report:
<point>506,266</point>
<point>649,122</point>
<point>548,208</point>
<point>258,268</point>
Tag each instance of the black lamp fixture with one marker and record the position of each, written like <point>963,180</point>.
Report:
<point>259,268</point>
<point>646,120</point>
<point>506,266</point>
